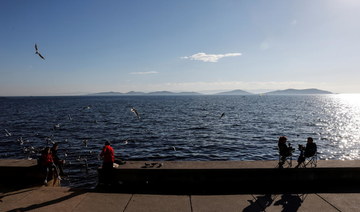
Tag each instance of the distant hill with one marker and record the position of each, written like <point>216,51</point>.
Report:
<point>189,93</point>
<point>111,93</point>
<point>235,92</point>
<point>161,93</point>
<point>298,92</point>
<point>168,93</point>
<point>134,93</point>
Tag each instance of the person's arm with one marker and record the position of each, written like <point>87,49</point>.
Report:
<point>102,152</point>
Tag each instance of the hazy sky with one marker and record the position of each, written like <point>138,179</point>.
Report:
<point>178,45</point>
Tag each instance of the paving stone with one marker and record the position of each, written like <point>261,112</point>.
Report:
<point>159,203</point>
<point>214,203</point>
<point>47,199</point>
<point>103,202</point>
<point>299,202</point>
<point>343,201</point>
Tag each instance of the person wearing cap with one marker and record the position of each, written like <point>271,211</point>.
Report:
<point>108,156</point>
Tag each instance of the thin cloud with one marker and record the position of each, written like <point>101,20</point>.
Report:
<point>213,58</point>
<point>144,73</point>
<point>294,22</point>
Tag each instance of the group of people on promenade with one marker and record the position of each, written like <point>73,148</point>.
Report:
<point>286,150</point>
<point>51,162</point>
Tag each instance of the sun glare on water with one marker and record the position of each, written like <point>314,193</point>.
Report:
<point>353,100</point>
<point>346,125</point>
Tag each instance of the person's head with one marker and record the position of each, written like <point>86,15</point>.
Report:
<point>107,143</point>
<point>47,150</point>
<point>310,140</point>
<point>282,139</point>
<point>55,146</point>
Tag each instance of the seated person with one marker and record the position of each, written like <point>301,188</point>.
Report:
<point>308,151</point>
<point>284,150</point>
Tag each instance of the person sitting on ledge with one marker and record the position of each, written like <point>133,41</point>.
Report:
<point>284,150</point>
<point>308,151</point>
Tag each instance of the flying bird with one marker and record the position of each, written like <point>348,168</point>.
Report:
<point>38,53</point>
<point>7,134</point>
<point>222,115</point>
<point>135,112</point>
<point>85,142</point>
<point>88,107</point>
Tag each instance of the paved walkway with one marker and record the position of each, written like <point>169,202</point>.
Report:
<point>65,199</point>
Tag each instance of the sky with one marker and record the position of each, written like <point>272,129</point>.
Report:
<point>179,45</point>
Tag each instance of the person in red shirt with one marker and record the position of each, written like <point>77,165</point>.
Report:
<point>47,162</point>
<point>108,156</point>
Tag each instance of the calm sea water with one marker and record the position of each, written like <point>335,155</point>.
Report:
<point>176,128</point>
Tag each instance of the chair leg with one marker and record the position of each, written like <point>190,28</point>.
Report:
<point>312,162</point>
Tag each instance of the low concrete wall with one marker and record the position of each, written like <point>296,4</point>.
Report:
<point>17,172</point>
<point>207,176</point>
<point>233,176</point>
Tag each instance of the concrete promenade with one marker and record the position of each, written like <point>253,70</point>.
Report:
<point>147,197</point>
<point>65,199</point>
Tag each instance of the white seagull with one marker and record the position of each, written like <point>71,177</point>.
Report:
<point>136,113</point>
<point>7,134</point>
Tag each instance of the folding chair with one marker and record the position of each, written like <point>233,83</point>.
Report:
<point>285,161</point>
<point>310,162</point>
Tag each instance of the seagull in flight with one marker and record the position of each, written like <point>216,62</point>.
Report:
<point>222,115</point>
<point>7,134</point>
<point>135,111</point>
<point>38,53</point>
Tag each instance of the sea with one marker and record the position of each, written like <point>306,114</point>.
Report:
<point>176,128</point>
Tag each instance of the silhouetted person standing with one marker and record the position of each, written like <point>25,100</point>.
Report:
<point>58,162</point>
<point>108,156</point>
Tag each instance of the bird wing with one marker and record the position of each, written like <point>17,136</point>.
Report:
<point>136,113</point>
<point>222,115</point>
<point>36,48</point>
<point>41,56</point>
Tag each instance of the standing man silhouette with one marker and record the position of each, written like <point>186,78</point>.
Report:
<point>108,156</point>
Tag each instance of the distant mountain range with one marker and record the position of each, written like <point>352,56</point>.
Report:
<point>310,91</point>
<point>235,92</point>
<point>134,93</point>
<point>298,92</point>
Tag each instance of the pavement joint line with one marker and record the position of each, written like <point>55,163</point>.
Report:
<point>2,195</point>
<point>328,202</point>
<point>29,192</point>
<point>191,206</point>
<point>74,208</point>
<point>127,204</point>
